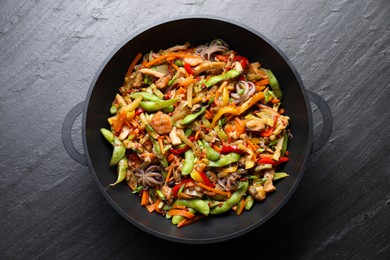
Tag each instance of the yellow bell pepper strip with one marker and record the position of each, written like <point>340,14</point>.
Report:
<point>221,112</point>
<point>273,82</point>
<point>250,102</point>
<point>216,79</point>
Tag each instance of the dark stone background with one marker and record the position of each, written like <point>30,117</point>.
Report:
<point>51,207</point>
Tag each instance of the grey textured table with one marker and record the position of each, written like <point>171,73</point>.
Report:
<point>52,209</point>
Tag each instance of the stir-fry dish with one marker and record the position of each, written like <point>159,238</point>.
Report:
<point>198,131</point>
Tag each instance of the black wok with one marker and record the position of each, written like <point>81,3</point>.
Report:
<point>196,30</point>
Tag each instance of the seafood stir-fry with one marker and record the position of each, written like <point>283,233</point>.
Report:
<point>198,131</point>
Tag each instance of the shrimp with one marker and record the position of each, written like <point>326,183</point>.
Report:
<point>161,123</point>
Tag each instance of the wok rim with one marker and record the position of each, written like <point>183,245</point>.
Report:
<point>215,239</point>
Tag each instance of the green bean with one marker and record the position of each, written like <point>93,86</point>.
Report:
<point>216,79</point>
<point>232,200</point>
<point>188,164</point>
<point>280,175</point>
<point>108,135</point>
<point>225,160</point>
<point>197,204</point>
<point>122,170</point>
<point>248,202</point>
<point>153,106</point>
<point>118,152</point>
<point>113,109</point>
<point>285,143</point>
<point>145,96</point>
<point>179,63</point>
<point>273,82</point>
<point>177,218</point>
<point>211,154</point>
<point>151,97</point>
<point>191,117</point>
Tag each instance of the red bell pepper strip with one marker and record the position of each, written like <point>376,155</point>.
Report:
<point>283,159</point>
<point>231,148</point>
<point>139,110</point>
<point>267,132</point>
<point>179,150</point>
<point>270,130</point>
<point>176,188</point>
<point>206,180</point>
<point>244,61</point>
<point>266,161</point>
<point>273,162</point>
<point>188,68</point>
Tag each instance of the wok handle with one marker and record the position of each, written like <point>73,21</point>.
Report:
<point>67,133</point>
<point>327,118</point>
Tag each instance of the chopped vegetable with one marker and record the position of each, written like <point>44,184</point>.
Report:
<point>198,131</point>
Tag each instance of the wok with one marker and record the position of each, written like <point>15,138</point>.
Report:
<point>196,30</point>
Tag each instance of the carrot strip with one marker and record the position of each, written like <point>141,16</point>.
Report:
<point>168,55</point>
<point>265,155</point>
<point>175,66</point>
<point>132,65</point>
<point>262,82</point>
<point>216,101</point>
<point>241,206</point>
<point>204,186</point>
<point>171,157</point>
<point>217,148</point>
<point>175,206</point>
<point>170,169</point>
<point>209,115</point>
<point>161,144</point>
<point>197,134</point>
<point>187,82</point>
<point>181,90</point>
<point>187,221</point>
<point>252,145</point>
<point>154,206</point>
<point>180,212</point>
<point>240,125</point>
<point>145,198</point>
<point>120,121</point>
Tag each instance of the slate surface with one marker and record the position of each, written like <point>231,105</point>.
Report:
<point>50,206</point>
